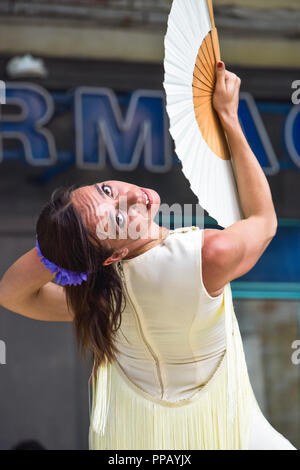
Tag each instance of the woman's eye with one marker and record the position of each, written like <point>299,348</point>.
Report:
<point>106,189</point>
<point>120,219</point>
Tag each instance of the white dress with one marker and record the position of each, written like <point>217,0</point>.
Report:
<point>172,347</point>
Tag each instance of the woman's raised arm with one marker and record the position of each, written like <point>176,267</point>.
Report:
<point>26,289</point>
<point>232,252</point>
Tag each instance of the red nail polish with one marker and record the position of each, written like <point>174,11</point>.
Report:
<point>220,64</point>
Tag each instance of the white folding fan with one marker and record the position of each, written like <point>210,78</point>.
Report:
<point>191,53</point>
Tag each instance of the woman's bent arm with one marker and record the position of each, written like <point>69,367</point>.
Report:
<point>26,289</point>
<point>232,252</point>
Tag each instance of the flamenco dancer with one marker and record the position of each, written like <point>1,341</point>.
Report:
<point>155,311</point>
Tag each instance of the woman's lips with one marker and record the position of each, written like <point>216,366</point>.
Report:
<point>150,198</point>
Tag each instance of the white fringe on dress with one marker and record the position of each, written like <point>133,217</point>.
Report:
<point>217,416</point>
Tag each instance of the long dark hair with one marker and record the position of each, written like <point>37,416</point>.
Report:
<point>97,304</point>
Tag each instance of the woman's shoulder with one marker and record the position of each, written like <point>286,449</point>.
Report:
<point>185,236</point>
<point>180,243</point>
<point>181,230</point>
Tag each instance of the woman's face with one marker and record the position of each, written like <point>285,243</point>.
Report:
<point>120,214</point>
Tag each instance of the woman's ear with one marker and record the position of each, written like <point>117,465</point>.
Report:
<point>116,256</point>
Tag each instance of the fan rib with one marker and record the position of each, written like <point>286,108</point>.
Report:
<point>208,83</point>
<point>205,87</point>
<point>204,63</point>
<point>210,52</point>
<point>211,12</point>
<point>207,56</point>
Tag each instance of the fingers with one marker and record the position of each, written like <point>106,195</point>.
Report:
<point>228,75</point>
<point>237,84</point>
<point>233,78</point>
<point>232,81</point>
<point>226,93</point>
<point>224,75</point>
<point>220,76</point>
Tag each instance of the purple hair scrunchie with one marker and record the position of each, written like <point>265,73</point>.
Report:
<point>64,277</point>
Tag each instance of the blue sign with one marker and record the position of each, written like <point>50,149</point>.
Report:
<point>126,131</point>
<point>104,135</point>
<point>36,107</point>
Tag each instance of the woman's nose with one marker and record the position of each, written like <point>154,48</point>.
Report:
<point>134,196</point>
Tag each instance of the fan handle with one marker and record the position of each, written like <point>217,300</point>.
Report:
<point>214,32</point>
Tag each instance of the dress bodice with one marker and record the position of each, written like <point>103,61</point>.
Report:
<point>172,335</point>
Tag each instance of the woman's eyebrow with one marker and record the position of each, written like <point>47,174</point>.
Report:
<point>99,190</point>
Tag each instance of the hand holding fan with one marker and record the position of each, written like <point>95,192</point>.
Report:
<point>191,53</point>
